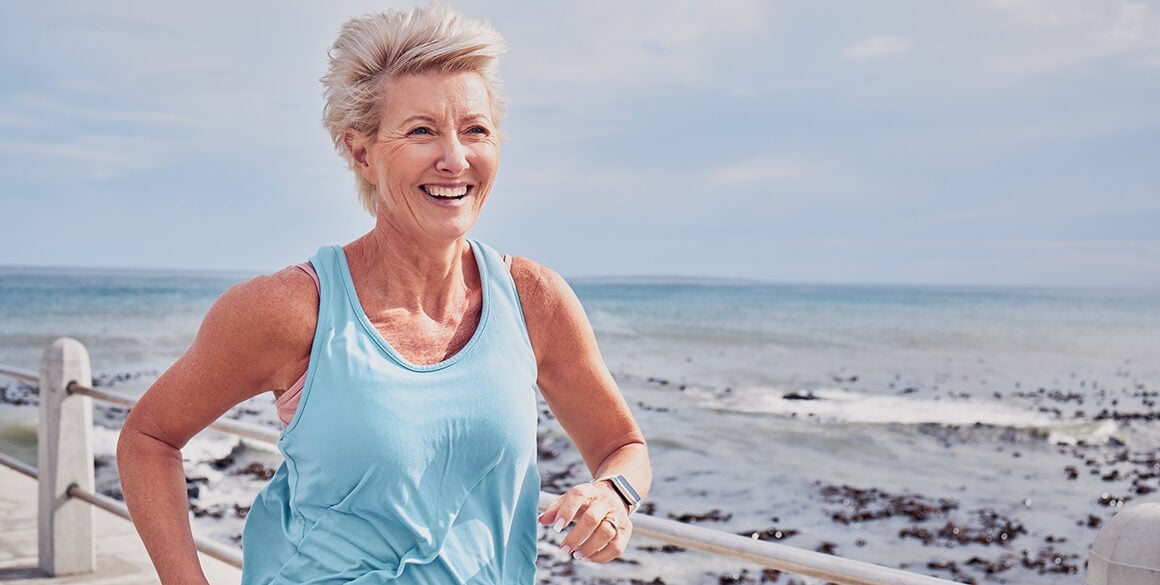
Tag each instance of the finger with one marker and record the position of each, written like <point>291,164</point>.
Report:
<point>549,514</point>
<point>585,524</point>
<point>559,513</point>
<point>568,507</point>
<point>612,550</point>
<point>603,536</point>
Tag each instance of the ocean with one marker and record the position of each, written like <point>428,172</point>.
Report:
<point>981,435</point>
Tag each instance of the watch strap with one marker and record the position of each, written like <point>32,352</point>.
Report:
<point>624,489</point>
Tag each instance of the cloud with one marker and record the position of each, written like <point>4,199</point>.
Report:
<point>876,47</point>
<point>45,109</point>
<point>612,51</point>
<point>10,119</point>
<point>1044,36</point>
<point>68,153</point>
<point>600,184</point>
<point>761,170</point>
<point>84,139</point>
<point>1094,248</point>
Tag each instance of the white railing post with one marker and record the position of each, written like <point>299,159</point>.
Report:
<point>65,454</point>
<point>1125,551</point>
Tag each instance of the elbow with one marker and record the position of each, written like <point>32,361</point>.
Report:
<point>128,447</point>
<point>135,444</point>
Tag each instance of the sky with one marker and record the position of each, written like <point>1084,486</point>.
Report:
<point>1003,142</point>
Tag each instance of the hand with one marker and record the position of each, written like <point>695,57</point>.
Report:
<point>599,519</point>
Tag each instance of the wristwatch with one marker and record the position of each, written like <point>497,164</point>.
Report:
<point>624,489</point>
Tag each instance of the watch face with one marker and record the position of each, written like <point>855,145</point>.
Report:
<point>626,492</point>
<point>625,488</point>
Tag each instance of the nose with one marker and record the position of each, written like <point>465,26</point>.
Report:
<point>452,156</point>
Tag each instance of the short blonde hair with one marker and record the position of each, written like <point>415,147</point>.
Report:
<point>370,50</point>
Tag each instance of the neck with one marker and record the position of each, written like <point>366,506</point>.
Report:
<point>420,276</point>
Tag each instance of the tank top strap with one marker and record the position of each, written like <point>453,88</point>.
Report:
<point>329,264</point>
<point>504,296</point>
<point>326,273</point>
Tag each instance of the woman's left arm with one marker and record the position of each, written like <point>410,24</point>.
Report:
<point>585,399</point>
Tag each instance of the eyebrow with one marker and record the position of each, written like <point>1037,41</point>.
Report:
<point>431,120</point>
<point>418,118</point>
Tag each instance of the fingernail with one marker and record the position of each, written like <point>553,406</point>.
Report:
<point>578,555</point>
<point>559,525</point>
<point>567,549</point>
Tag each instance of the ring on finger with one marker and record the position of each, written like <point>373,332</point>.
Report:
<point>612,520</point>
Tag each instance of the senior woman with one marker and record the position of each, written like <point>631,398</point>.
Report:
<point>404,363</point>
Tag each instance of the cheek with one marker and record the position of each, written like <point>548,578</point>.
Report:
<point>399,166</point>
<point>487,159</point>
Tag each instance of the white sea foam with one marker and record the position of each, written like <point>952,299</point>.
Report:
<point>604,322</point>
<point>835,405</point>
<point>1089,433</point>
<point>105,440</point>
<point>845,406</point>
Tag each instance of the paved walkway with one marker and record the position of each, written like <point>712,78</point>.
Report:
<point>121,558</point>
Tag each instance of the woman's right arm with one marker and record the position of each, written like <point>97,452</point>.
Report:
<point>256,337</point>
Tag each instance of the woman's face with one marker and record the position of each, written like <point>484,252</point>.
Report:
<point>435,156</point>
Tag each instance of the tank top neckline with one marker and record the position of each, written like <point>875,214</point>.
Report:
<point>388,349</point>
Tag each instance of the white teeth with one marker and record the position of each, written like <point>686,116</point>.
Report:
<point>445,191</point>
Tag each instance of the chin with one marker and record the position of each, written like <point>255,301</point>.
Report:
<point>451,233</point>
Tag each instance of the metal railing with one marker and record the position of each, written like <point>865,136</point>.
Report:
<point>18,374</point>
<point>65,376</point>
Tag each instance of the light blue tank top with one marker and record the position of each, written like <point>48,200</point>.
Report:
<point>402,473</point>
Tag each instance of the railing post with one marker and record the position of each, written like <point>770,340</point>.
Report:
<point>65,453</point>
<point>1125,551</point>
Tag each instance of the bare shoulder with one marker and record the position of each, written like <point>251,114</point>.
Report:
<point>557,325</point>
<point>282,304</point>
<point>543,292</point>
<point>255,337</point>
<point>260,329</point>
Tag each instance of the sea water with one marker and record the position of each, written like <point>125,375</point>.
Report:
<point>977,434</point>
<point>1030,409</point>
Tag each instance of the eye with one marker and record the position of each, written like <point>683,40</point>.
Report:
<point>420,131</point>
<point>479,130</point>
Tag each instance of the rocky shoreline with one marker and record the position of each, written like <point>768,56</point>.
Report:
<point>966,544</point>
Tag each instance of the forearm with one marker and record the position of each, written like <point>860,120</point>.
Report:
<point>153,482</point>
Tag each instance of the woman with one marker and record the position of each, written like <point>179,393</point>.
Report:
<point>404,363</point>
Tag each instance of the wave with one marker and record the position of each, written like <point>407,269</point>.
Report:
<point>609,323</point>
<point>833,405</point>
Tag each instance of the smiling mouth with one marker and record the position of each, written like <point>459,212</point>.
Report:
<point>446,192</point>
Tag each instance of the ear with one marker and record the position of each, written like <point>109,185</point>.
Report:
<point>356,145</point>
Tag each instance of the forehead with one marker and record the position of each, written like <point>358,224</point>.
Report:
<point>442,96</point>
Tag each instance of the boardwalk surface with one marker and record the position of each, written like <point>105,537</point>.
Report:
<point>121,558</point>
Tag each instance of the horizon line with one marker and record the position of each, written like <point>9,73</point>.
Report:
<point>639,279</point>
